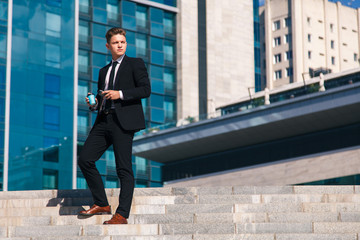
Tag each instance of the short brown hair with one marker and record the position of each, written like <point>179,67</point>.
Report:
<point>114,31</point>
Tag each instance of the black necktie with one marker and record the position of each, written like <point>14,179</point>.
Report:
<point>111,84</point>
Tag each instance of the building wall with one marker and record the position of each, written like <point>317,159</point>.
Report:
<point>230,51</point>
<point>323,35</point>
<point>296,171</point>
<point>187,60</point>
<point>229,55</point>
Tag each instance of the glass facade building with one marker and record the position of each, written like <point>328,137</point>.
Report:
<point>258,85</point>
<point>40,119</point>
<point>56,54</point>
<point>3,52</point>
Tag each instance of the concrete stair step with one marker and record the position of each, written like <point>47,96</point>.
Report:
<point>181,229</point>
<point>239,212</point>
<point>187,199</point>
<point>176,191</point>
<point>199,218</point>
<point>205,237</point>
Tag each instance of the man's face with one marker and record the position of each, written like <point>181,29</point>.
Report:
<point>117,46</point>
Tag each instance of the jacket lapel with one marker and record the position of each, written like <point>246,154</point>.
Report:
<point>103,77</point>
<point>118,74</point>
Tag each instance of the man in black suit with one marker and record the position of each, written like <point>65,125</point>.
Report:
<point>124,82</point>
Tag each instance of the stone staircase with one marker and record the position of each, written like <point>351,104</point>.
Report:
<point>220,213</point>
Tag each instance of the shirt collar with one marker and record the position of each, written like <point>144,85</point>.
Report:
<point>119,59</point>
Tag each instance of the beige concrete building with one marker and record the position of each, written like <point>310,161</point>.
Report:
<point>309,34</point>
<point>215,54</point>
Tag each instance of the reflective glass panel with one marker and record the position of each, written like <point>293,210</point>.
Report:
<point>141,16</point>
<point>157,43</point>
<point>50,179</point>
<point>141,44</point>
<point>53,24</point>
<point>157,100</point>
<point>2,46</point>
<point>84,31</point>
<point>51,117</point>
<point>156,15</point>
<point>157,115</point>
<point>52,55</point>
<point>3,11</point>
<point>52,86</point>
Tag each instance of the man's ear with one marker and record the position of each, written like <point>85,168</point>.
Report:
<point>107,46</point>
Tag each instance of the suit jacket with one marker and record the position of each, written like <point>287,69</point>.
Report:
<point>132,79</point>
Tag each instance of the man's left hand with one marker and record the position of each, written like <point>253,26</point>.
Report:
<point>111,94</point>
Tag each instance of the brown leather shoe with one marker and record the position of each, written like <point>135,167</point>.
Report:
<point>116,219</point>
<point>96,210</point>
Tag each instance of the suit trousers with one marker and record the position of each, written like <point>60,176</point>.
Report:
<point>106,132</point>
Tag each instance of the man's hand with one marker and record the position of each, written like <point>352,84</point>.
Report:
<point>88,102</point>
<point>111,94</point>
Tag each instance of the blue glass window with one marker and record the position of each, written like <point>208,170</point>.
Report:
<point>111,182</point>
<point>156,174</point>
<point>3,11</point>
<point>84,6</point>
<point>170,109</point>
<point>169,50</point>
<point>130,37</point>
<point>52,86</point>
<point>82,122</point>
<point>157,29</point>
<point>112,9</point>
<point>2,77</point>
<point>50,179</point>
<point>51,149</point>
<point>99,4</point>
<point>52,55</point>
<point>157,86</point>
<point>3,45</point>
<point>156,15</point>
<point>99,60</point>
<point>131,51</point>
<point>81,183</point>
<point>99,45</point>
<point>128,8</point>
<point>166,2</point>
<point>141,45</point>
<point>2,111</point>
<point>53,24</point>
<point>129,22</point>
<point>156,43</point>
<point>51,117</point>
<point>157,57</point>
<point>141,16</point>
<point>157,115</point>
<point>95,72</point>
<point>156,72</point>
<point>50,141</point>
<point>110,158</point>
<point>83,60</point>
<point>157,101</point>
<point>169,80</point>
<point>99,30</point>
<point>99,15</point>
<point>55,3</point>
<point>169,23</point>
<point>84,31</point>
<point>141,165</point>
